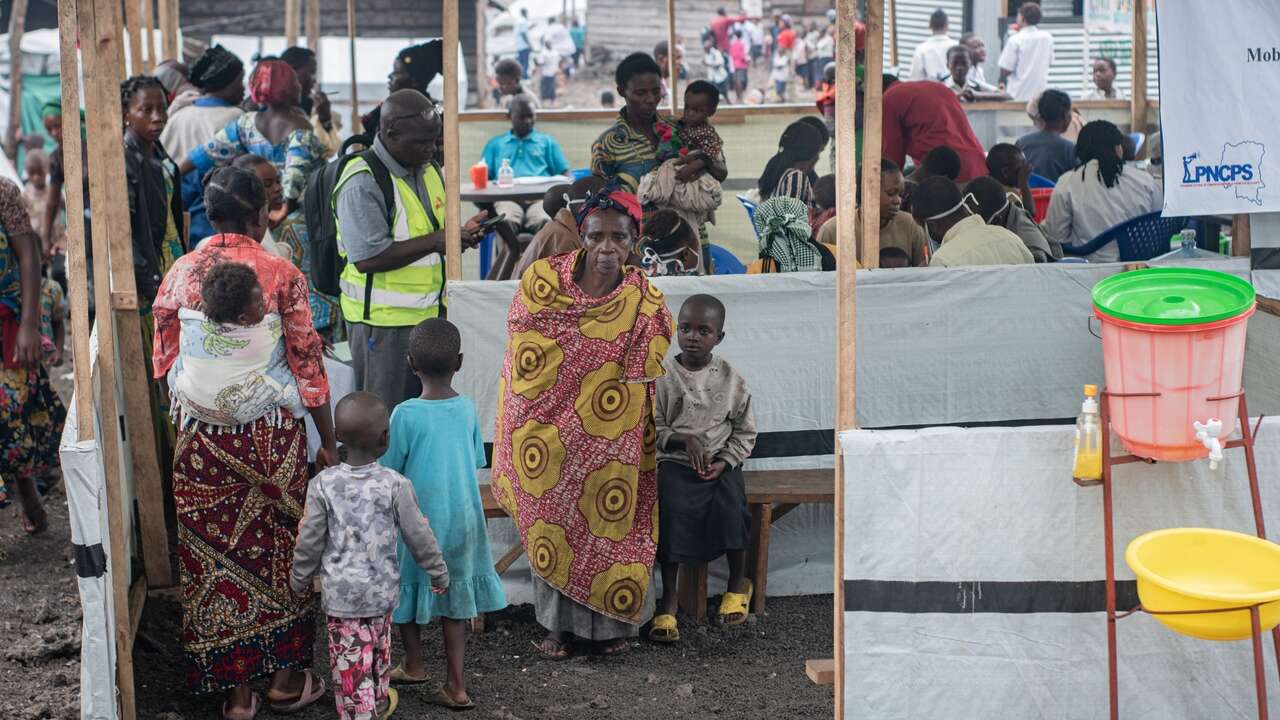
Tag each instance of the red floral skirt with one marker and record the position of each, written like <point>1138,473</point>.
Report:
<point>239,496</point>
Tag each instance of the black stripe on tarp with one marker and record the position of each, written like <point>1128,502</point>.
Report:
<point>976,596</point>
<point>91,561</point>
<point>1265,258</point>
<point>790,443</point>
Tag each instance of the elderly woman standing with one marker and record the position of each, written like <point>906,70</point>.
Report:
<point>574,447</point>
<point>240,472</point>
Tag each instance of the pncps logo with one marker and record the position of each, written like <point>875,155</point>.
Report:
<point>1237,167</point>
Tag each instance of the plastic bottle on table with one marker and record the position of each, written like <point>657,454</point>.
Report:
<point>506,175</point>
<point>1188,243</point>
<point>1088,463</point>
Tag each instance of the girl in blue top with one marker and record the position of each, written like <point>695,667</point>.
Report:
<point>435,442</point>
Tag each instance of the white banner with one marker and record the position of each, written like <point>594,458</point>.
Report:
<point>1219,96</point>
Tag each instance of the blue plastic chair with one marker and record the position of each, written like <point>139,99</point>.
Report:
<point>751,213</point>
<point>578,173</point>
<point>486,254</point>
<point>1040,181</point>
<point>1138,239</point>
<point>725,262</point>
<point>1138,140</point>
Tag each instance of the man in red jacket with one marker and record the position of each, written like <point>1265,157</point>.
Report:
<point>919,116</point>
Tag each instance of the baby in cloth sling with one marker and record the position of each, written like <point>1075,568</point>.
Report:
<point>232,368</point>
<point>692,137</point>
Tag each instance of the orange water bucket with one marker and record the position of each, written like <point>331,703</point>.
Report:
<point>1173,342</point>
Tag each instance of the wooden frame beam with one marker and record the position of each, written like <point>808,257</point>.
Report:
<point>872,86</point>
<point>167,14</point>
<point>133,24</point>
<point>312,26</point>
<point>17,23</point>
<point>673,74</point>
<point>893,35</point>
<point>452,153</point>
<point>482,54</point>
<point>149,35</point>
<point>356,126</point>
<point>1138,94</point>
<point>292,13</point>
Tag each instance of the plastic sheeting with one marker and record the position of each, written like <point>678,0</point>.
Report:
<point>973,578</point>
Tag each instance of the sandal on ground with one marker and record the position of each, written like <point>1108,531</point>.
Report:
<point>665,629</point>
<point>311,692</point>
<point>400,676</point>
<point>553,649</point>
<point>441,698</point>
<point>242,714</point>
<point>393,699</point>
<point>734,607</point>
<point>609,648</point>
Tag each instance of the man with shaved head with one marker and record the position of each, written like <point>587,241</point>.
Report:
<point>394,274</point>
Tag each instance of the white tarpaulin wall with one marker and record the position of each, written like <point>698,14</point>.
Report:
<point>1215,57</point>
<point>974,579</point>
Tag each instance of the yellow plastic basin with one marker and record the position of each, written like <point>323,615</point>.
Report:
<point>1182,569</point>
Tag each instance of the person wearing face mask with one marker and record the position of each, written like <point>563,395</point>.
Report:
<point>669,245</point>
<point>997,207</point>
<point>897,229</point>
<point>574,457</point>
<point>394,275</point>
<point>964,238</point>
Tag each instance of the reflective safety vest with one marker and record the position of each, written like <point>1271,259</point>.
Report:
<point>415,292</point>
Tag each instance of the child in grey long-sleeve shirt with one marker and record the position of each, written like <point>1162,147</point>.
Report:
<point>355,514</point>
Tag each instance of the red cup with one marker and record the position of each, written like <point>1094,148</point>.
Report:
<point>480,176</point>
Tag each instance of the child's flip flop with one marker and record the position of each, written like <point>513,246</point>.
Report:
<point>311,692</point>
<point>736,604</point>
<point>400,676</point>
<point>393,699</point>
<point>665,629</point>
<point>442,699</point>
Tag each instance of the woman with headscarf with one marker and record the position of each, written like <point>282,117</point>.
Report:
<point>788,173</point>
<point>413,69</point>
<point>574,446</point>
<point>283,135</point>
<point>782,223</point>
<point>194,118</point>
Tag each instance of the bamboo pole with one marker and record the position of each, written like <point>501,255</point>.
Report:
<point>482,54</point>
<point>846,297</point>
<point>17,23</point>
<point>452,154</point>
<point>356,127</point>
<point>872,86</point>
<point>291,12</point>
<point>1138,93</point>
<point>149,35</point>
<point>312,24</point>
<point>168,21</point>
<point>893,34</point>
<point>673,66</point>
<point>99,22</point>
<point>133,24</point>
<point>77,265</point>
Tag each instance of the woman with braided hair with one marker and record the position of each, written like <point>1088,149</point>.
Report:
<point>782,223</point>
<point>789,172</point>
<point>575,443</point>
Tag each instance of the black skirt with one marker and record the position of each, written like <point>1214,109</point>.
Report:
<point>698,520</point>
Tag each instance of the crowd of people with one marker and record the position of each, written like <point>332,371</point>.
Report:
<point>299,239</point>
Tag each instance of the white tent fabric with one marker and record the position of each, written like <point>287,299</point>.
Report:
<point>973,578</point>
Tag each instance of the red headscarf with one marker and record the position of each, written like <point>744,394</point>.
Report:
<point>271,83</point>
<point>612,197</point>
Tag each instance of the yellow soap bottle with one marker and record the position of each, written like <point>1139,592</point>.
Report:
<point>1088,465</point>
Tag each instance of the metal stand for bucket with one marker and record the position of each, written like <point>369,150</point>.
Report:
<point>1245,441</point>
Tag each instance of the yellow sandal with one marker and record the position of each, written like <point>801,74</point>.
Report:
<point>665,629</point>
<point>736,604</point>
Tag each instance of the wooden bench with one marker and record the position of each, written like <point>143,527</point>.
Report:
<point>771,494</point>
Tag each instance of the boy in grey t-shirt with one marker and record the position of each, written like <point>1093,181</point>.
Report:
<point>355,514</point>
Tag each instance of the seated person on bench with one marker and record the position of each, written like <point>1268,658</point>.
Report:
<point>531,154</point>
<point>705,433</point>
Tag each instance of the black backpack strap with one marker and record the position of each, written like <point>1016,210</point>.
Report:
<point>382,176</point>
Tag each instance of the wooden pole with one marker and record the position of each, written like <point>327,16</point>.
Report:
<point>846,298</point>
<point>872,86</point>
<point>149,35</point>
<point>103,56</point>
<point>893,35</point>
<point>351,48</point>
<point>291,12</point>
<point>673,67</point>
<point>1138,93</point>
<point>168,20</point>
<point>17,22</point>
<point>452,154</point>
<point>313,30</point>
<point>1241,242</point>
<point>482,54</point>
<point>133,24</point>
<point>77,266</point>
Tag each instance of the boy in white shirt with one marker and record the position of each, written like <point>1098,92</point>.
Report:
<point>1027,55</point>
<point>929,61</point>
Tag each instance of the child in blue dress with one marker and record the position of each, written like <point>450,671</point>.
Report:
<point>436,443</point>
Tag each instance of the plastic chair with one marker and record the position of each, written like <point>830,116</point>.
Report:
<point>751,213</point>
<point>578,173</point>
<point>1140,238</point>
<point>486,254</point>
<point>1040,181</point>
<point>1138,140</point>
<point>725,262</point>
<point>1041,197</point>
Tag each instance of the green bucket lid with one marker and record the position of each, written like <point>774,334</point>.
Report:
<point>1173,296</point>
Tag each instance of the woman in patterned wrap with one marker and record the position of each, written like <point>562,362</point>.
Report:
<point>574,447</point>
<point>240,476</point>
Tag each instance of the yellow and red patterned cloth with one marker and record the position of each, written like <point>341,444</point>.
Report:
<point>574,447</point>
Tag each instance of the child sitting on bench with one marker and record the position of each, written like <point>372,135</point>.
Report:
<point>705,433</point>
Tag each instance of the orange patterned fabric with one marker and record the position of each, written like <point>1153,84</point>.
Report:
<point>574,447</point>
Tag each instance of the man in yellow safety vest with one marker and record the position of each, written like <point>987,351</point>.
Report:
<point>394,277</point>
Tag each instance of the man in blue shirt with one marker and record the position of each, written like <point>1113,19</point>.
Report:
<point>531,154</point>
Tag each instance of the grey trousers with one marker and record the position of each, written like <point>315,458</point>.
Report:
<point>380,361</point>
<point>557,613</point>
